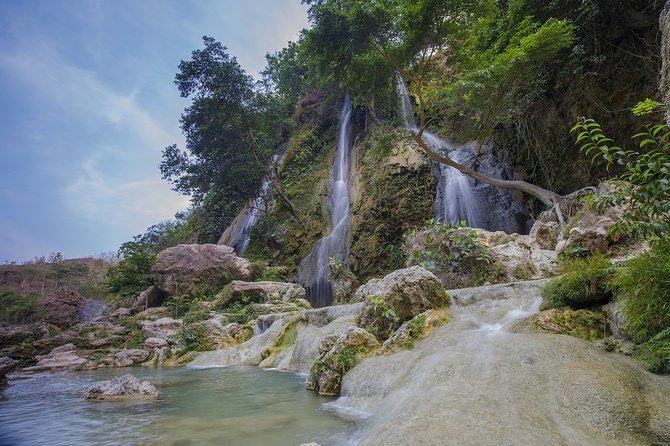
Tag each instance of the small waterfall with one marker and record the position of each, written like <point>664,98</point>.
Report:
<point>314,270</point>
<point>238,232</point>
<point>458,197</point>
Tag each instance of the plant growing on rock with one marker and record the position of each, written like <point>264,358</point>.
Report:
<point>583,282</point>
<point>644,186</point>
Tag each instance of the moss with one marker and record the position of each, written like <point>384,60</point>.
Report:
<point>584,282</point>
<point>525,271</point>
<point>135,339</point>
<point>583,324</point>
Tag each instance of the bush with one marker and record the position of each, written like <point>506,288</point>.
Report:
<point>645,281</point>
<point>15,308</point>
<point>583,282</point>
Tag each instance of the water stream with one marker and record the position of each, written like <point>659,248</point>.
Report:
<point>458,197</point>
<point>314,270</point>
<point>230,406</point>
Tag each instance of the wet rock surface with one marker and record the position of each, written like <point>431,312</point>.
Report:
<point>65,357</point>
<point>122,387</point>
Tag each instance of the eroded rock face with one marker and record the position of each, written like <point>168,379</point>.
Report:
<point>7,366</point>
<point>218,333</point>
<point>122,387</point>
<point>125,358</point>
<point>65,357</point>
<point>149,298</point>
<point>163,328</point>
<point>337,354</point>
<point>407,292</point>
<point>63,308</point>
<point>261,292</point>
<point>545,234</point>
<point>195,270</point>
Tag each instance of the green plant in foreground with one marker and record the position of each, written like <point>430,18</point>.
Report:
<point>644,186</point>
<point>386,310</point>
<point>583,282</point>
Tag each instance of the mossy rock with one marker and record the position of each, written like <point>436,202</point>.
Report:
<point>583,324</point>
<point>585,282</point>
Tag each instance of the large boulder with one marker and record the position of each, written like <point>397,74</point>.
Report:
<point>337,354</point>
<point>122,387</point>
<point>63,307</point>
<point>163,328</point>
<point>397,298</point>
<point>197,270</point>
<point>65,357</point>
<point>216,333</point>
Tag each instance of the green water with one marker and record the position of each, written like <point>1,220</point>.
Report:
<point>224,406</point>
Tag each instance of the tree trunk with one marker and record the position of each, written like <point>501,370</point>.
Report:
<point>549,198</point>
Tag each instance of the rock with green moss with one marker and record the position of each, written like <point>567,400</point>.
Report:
<point>397,298</point>
<point>583,324</point>
<point>415,329</point>
<point>337,355</point>
<point>584,283</point>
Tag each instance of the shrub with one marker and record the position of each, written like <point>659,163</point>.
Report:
<point>15,308</point>
<point>645,281</point>
<point>583,282</point>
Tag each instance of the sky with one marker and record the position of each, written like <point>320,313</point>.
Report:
<point>88,102</point>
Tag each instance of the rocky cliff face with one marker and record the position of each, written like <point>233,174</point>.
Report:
<point>664,76</point>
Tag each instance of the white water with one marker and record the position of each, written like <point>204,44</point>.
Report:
<point>458,197</point>
<point>314,270</point>
<point>485,379</point>
<point>238,239</point>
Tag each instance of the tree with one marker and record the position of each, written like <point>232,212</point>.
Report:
<point>229,143</point>
<point>133,272</point>
<point>409,34</point>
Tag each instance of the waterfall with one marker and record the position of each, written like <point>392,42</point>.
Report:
<point>458,197</point>
<point>314,270</point>
<point>237,234</point>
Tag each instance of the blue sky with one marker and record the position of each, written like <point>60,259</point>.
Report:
<point>87,103</point>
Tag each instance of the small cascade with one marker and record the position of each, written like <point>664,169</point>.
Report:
<point>458,197</point>
<point>314,270</point>
<point>238,232</point>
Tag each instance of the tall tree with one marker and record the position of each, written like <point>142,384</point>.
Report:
<point>409,34</point>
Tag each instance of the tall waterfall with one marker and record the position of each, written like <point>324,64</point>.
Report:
<point>458,197</point>
<point>314,270</point>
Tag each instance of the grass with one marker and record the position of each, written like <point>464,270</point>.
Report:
<point>583,282</point>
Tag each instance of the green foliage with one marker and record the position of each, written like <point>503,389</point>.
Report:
<point>645,282</point>
<point>193,338</point>
<point>656,352</point>
<point>384,308</point>
<point>16,308</point>
<point>583,324</point>
<point>132,273</point>
<point>345,360</point>
<point>450,247</point>
<point>644,186</point>
<point>415,328</point>
<point>583,282</point>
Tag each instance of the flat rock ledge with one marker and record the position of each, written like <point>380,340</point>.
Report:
<point>122,388</point>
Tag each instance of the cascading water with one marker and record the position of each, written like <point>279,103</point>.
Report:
<point>314,270</point>
<point>458,197</point>
<point>238,232</point>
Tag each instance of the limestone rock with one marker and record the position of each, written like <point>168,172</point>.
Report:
<point>163,328</point>
<point>7,366</point>
<point>261,292</point>
<point>545,234</point>
<point>64,357</point>
<point>195,270</point>
<point>407,292</point>
<point>338,354</point>
<point>415,329</point>
<point>122,387</point>
<point>121,313</point>
<point>521,261</point>
<point>63,308</point>
<point>589,231</point>
<point>155,343</point>
<point>149,298</point>
<point>125,358</point>
<point>217,333</point>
